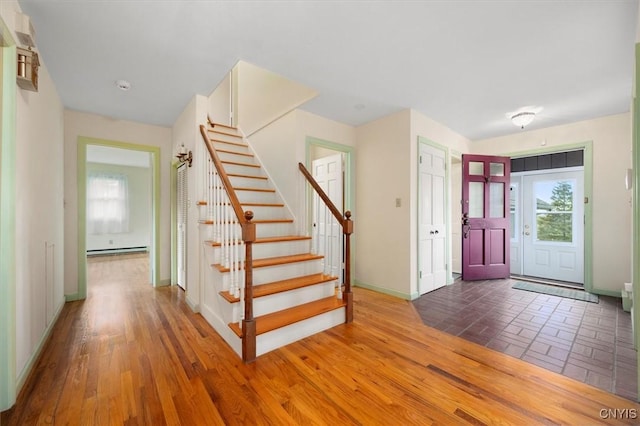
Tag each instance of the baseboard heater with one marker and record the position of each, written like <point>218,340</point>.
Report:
<point>121,250</point>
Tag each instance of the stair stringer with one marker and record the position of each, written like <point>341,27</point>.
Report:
<point>214,308</point>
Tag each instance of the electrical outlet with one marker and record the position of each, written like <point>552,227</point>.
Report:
<point>398,202</point>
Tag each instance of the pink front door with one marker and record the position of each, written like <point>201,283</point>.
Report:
<point>485,217</point>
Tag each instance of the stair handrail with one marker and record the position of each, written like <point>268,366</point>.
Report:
<point>248,236</point>
<point>347,229</point>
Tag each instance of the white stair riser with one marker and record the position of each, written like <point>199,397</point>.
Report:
<point>266,212</point>
<point>283,272</point>
<point>268,274</point>
<point>265,250</point>
<point>257,197</point>
<point>231,147</point>
<point>243,170</point>
<point>226,156</point>
<point>224,136</point>
<point>283,336</point>
<point>279,301</point>
<point>242,182</point>
<point>265,230</point>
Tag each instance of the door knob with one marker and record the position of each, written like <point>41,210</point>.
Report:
<point>436,232</point>
<point>431,232</point>
<point>527,233</point>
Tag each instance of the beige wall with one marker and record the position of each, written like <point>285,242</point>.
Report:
<point>78,124</point>
<point>220,102</point>
<point>382,230</point>
<point>281,145</point>
<point>39,211</point>
<point>263,96</point>
<point>611,202</point>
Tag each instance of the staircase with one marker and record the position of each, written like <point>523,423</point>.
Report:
<point>265,288</point>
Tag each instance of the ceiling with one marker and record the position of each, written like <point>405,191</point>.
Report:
<point>465,64</point>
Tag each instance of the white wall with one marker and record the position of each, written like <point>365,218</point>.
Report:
<point>139,184</point>
<point>611,138</point>
<point>186,130</point>
<point>39,211</point>
<point>78,124</point>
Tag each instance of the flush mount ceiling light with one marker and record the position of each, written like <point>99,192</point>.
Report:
<point>522,119</point>
<point>123,85</point>
<point>523,116</point>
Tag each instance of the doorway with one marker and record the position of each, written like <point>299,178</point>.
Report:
<point>317,149</point>
<point>181,207</point>
<point>547,224</point>
<point>130,242</point>
<point>432,216</point>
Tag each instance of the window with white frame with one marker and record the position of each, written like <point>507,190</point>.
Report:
<point>107,203</point>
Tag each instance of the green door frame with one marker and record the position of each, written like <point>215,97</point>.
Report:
<point>349,185</point>
<point>83,142</point>
<point>8,381</point>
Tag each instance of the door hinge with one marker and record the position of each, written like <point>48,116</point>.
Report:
<point>420,274</point>
<point>421,159</point>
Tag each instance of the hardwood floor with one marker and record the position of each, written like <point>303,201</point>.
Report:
<point>133,355</point>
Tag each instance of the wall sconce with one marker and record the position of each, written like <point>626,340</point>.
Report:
<point>27,74</point>
<point>184,156</point>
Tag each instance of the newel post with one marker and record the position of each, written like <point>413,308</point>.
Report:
<point>248,323</point>
<point>347,296</point>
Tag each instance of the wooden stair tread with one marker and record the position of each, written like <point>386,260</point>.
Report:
<point>275,320</point>
<point>235,153</point>
<point>241,188</point>
<point>213,124</point>
<point>237,163</point>
<point>275,261</point>
<point>244,145</point>
<point>221,132</point>
<point>246,176</point>
<point>263,221</point>
<point>204,203</point>
<point>267,289</point>
<point>284,239</point>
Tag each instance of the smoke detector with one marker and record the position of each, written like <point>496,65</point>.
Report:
<point>123,85</point>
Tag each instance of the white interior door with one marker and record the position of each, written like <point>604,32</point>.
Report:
<point>181,209</point>
<point>432,228</point>
<point>553,226</point>
<point>328,172</point>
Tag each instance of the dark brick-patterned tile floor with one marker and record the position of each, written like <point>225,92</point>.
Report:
<point>590,342</point>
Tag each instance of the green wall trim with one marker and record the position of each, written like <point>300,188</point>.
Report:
<point>350,186</point>
<point>83,142</point>
<point>447,198</point>
<point>587,147</point>
<point>635,249</point>
<point>8,91</point>
<point>612,293</point>
<point>383,290</point>
<point>72,297</point>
